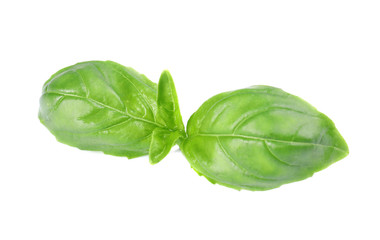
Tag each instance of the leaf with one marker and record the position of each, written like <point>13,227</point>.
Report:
<point>101,106</point>
<point>168,115</point>
<point>259,138</point>
<point>168,112</point>
<point>162,142</point>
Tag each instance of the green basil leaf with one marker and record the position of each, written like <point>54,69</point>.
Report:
<point>168,115</point>
<point>162,142</point>
<point>259,138</point>
<point>101,106</point>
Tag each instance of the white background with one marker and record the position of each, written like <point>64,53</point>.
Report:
<point>327,52</point>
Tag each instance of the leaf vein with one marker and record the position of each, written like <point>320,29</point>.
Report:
<point>106,81</point>
<point>277,158</point>
<point>139,93</point>
<point>105,106</point>
<point>243,169</point>
<point>265,139</point>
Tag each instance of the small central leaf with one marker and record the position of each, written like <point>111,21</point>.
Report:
<point>169,115</point>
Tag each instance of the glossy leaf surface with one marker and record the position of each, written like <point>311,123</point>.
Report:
<point>259,138</point>
<point>101,106</point>
<point>167,114</point>
<point>162,142</point>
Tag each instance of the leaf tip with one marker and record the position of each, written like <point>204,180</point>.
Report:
<point>153,160</point>
<point>165,75</point>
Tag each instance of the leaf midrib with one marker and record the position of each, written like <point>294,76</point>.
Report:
<point>265,139</point>
<point>105,106</point>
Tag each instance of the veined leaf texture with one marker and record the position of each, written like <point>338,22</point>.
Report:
<point>256,138</point>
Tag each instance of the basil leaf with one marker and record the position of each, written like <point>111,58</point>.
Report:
<point>167,114</point>
<point>101,106</point>
<point>162,142</point>
<point>259,138</point>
